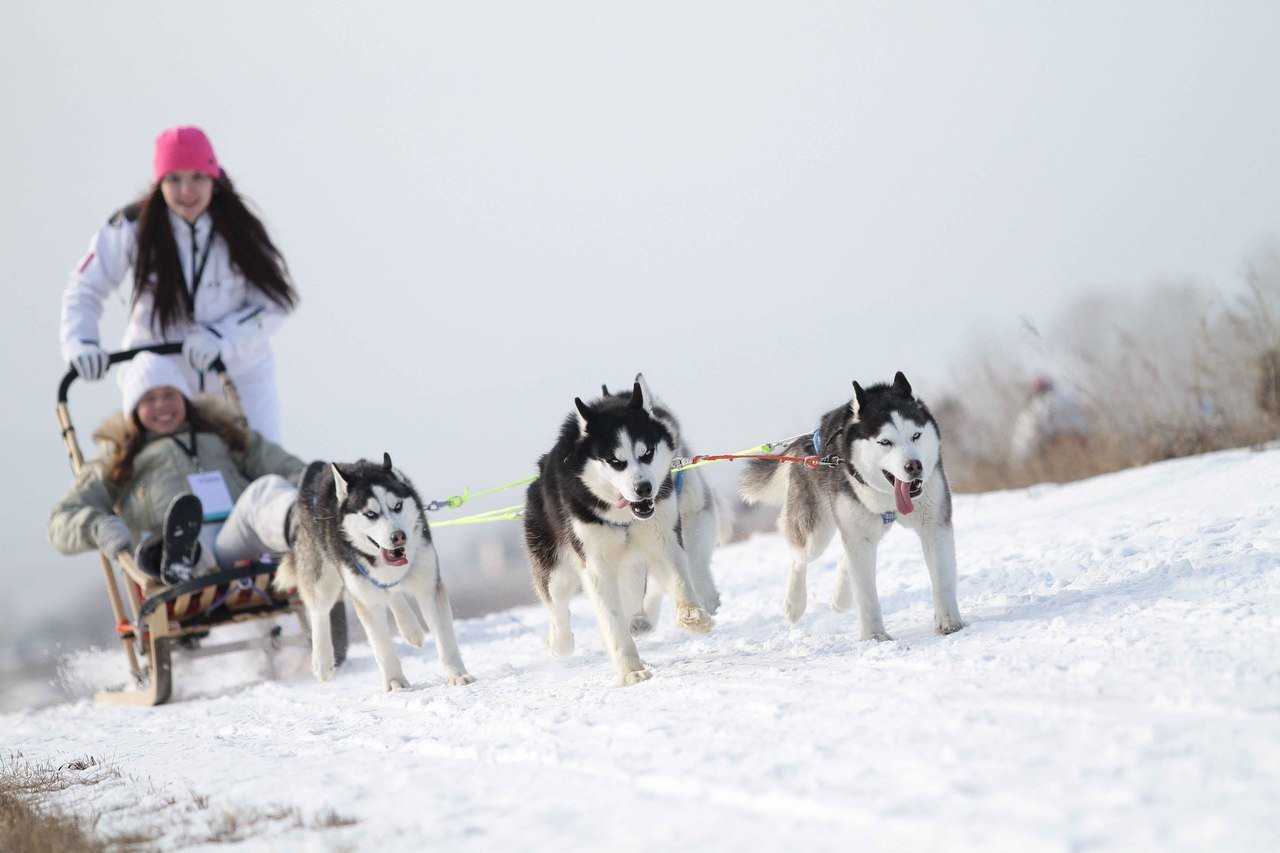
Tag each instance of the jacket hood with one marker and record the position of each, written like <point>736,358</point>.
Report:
<point>115,433</point>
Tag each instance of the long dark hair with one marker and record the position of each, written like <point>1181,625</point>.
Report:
<point>158,271</point>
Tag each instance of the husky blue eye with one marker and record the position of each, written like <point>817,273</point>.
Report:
<point>616,464</point>
<point>915,437</point>
<point>370,514</point>
<point>399,506</point>
<point>647,457</point>
<point>884,442</point>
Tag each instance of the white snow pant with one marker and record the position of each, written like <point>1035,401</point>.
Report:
<point>257,387</point>
<point>256,523</point>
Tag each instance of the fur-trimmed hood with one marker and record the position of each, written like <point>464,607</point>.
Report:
<point>115,433</point>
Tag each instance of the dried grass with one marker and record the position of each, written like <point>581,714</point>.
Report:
<point>1173,372</point>
<point>28,824</point>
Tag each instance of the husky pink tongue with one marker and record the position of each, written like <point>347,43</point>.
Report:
<point>902,494</point>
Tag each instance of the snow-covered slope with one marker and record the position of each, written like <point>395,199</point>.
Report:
<point>1118,687</point>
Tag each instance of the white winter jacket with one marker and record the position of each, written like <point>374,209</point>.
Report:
<point>241,315</point>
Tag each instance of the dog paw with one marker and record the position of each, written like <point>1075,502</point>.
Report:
<point>561,645</point>
<point>323,669</point>
<point>948,625</point>
<point>793,607</point>
<point>396,682</point>
<point>881,636</point>
<point>635,677</point>
<point>694,619</point>
<point>460,679</point>
<point>641,625</point>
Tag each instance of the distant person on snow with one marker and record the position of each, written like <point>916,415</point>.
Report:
<point>163,450</point>
<point>1048,422</point>
<point>205,274</point>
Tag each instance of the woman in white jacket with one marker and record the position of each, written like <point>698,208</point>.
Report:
<point>205,273</point>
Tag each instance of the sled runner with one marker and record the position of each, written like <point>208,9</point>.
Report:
<point>163,616</point>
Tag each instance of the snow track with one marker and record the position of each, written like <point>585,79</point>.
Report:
<point>1118,687</point>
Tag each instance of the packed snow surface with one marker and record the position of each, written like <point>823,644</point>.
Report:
<point>1118,687</point>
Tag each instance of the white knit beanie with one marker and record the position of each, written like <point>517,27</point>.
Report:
<point>146,371</point>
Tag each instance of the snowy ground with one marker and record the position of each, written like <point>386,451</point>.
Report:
<point>1118,688</point>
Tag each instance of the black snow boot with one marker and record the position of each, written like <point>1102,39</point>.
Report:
<point>181,539</point>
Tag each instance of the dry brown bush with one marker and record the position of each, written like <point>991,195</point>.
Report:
<point>29,825</point>
<point>1174,371</point>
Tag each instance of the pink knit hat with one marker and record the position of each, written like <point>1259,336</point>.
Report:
<point>185,148</point>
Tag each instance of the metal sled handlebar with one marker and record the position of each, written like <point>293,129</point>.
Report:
<point>125,355</point>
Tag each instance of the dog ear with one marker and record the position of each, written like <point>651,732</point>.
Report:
<point>641,396</point>
<point>339,482</point>
<point>584,414</point>
<point>604,389</point>
<point>900,384</point>
<point>859,400</point>
<point>386,461</point>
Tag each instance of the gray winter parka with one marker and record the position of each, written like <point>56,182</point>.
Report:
<point>160,472</point>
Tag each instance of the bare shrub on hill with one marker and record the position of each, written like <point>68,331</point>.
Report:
<point>1174,371</point>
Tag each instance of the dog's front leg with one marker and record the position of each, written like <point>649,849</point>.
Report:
<point>374,620</point>
<point>406,621</point>
<point>602,587</point>
<point>939,544</point>
<point>631,586</point>
<point>670,560</point>
<point>860,560</point>
<point>433,598</point>
<point>652,608</point>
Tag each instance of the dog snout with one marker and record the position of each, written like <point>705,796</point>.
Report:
<point>644,489</point>
<point>398,538</point>
<point>914,468</point>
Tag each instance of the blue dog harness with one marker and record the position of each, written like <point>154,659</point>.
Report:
<point>886,517</point>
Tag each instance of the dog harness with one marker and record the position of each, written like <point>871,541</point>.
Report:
<point>363,572</point>
<point>886,517</point>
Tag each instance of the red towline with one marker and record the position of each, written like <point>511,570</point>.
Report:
<point>812,461</point>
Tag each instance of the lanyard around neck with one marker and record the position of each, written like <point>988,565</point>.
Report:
<point>197,269</point>
<point>192,451</point>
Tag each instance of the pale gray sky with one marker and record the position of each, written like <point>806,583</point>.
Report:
<point>490,208</point>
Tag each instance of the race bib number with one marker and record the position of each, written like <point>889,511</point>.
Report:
<point>212,491</point>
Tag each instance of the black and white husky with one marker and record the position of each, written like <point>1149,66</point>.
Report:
<point>890,469</point>
<point>361,526</point>
<point>602,509</point>
<point>700,528</point>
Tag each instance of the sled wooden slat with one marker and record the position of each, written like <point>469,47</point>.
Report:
<point>206,598</point>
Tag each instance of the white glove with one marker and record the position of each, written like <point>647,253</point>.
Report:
<point>90,361</point>
<point>201,349</point>
<point>112,535</point>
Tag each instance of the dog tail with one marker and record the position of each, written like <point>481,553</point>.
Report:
<point>764,483</point>
<point>286,577</point>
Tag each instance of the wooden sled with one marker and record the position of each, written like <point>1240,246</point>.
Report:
<point>164,616</point>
